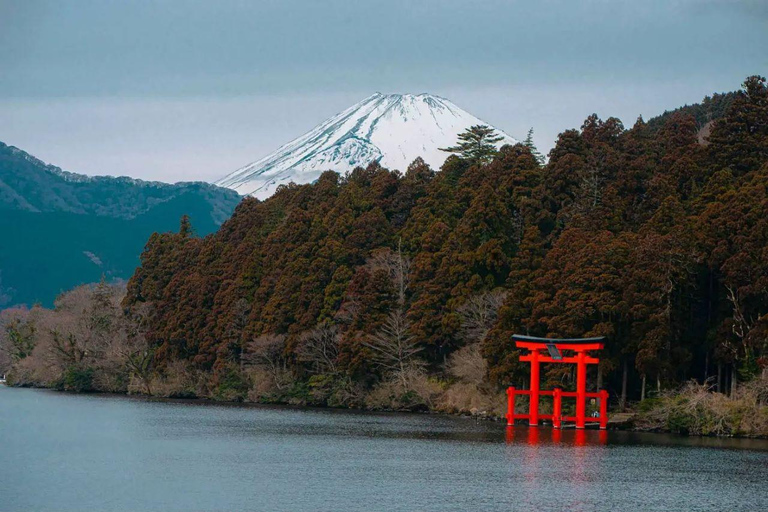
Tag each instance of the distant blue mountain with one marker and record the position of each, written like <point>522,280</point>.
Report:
<point>59,229</point>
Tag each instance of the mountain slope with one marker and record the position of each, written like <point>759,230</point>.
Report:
<point>60,229</point>
<point>29,184</point>
<point>393,129</point>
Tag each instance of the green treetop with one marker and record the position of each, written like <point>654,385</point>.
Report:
<point>477,144</point>
<point>185,227</point>
<point>528,142</point>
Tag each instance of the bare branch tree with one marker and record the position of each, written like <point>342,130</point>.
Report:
<point>320,349</point>
<point>268,352</point>
<point>741,324</point>
<point>592,186</point>
<point>82,325</point>
<point>17,334</point>
<point>394,348</point>
<point>132,347</point>
<point>479,314</point>
<point>397,266</point>
<point>86,330</point>
<point>741,328</point>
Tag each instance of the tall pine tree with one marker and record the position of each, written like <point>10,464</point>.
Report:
<point>528,142</point>
<point>477,144</point>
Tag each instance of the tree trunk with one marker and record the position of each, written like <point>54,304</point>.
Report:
<point>734,380</point>
<point>642,389</point>
<point>719,377</point>
<point>658,384</point>
<point>599,385</point>
<point>623,401</point>
<point>706,365</point>
<point>599,377</point>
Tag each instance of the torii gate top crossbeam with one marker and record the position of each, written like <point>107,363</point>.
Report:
<point>576,344</point>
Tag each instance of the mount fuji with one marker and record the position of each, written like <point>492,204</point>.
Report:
<point>393,129</point>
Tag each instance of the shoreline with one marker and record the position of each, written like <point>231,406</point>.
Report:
<point>625,423</point>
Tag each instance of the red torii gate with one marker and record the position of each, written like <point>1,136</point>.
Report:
<point>580,346</point>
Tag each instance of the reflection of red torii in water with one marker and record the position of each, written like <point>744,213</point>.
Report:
<point>535,346</point>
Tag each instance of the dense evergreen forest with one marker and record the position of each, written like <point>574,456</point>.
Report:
<point>387,288</point>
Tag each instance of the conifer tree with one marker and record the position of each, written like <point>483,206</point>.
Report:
<point>185,227</point>
<point>477,144</point>
<point>528,142</point>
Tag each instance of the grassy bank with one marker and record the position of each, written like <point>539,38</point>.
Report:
<point>415,391</point>
<point>697,410</point>
<point>694,410</point>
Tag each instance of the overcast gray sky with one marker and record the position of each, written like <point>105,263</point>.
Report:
<point>188,90</point>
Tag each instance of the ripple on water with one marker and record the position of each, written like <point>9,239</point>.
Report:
<point>77,452</point>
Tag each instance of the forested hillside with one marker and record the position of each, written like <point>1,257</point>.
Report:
<point>643,235</point>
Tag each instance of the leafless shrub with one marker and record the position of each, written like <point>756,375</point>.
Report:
<point>180,380</point>
<point>264,359</point>
<point>34,371</point>
<point>412,389</point>
<point>469,394</point>
<point>348,393</point>
<point>262,384</point>
<point>695,409</point>
<point>468,365</point>
<point>467,398</point>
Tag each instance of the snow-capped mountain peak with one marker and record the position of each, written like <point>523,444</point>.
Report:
<point>393,129</point>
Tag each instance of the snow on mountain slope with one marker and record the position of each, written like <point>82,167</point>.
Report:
<point>393,129</point>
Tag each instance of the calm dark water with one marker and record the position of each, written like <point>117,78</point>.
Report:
<point>77,452</point>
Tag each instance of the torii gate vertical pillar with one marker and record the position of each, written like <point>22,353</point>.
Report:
<point>557,408</point>
<point>535,383</point>
<point>581,389</point>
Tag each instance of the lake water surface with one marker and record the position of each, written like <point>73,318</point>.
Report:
<point>90,452</point>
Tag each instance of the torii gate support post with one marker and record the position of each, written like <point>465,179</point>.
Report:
<point>535,383</point>
<point>581,389</point>
<point>603,409</point>
<point>510,406</point>
<point>557,408</point>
